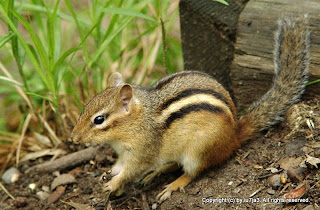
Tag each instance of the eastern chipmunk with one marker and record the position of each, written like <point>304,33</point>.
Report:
<point>188,119</point>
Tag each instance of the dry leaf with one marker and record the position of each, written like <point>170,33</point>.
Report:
<point>53,197</point>
<point>298,192</point>
<point>62,180</point>
<point>43,139</point>
<point>258,166</point>
<point>312,161</point>
<point>79,206</point>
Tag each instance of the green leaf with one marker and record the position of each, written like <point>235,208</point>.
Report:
<point>5,39</point>
<point>222,2</point>
<point>128,12</point>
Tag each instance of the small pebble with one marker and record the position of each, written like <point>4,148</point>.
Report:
<point>11,175</point>
<point>270,191</point>
<point>154,206</point>
<point>42,195</point>
<point>274,181</point>
<point>237,190</point>
<point>32,186</point>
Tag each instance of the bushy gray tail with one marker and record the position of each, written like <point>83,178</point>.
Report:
<point>291,61</point>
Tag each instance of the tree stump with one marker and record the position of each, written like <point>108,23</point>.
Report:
<point>252,69</point>
<point>208,34</point>
<point>235,43</point>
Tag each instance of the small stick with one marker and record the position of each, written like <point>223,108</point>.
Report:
<point>66,161</point>
<point>254,193</point>
<point>164,45</point>
<point>6,191</point>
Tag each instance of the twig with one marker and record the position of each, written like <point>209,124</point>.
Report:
<point>23,132</point>
<point>6,191</point>
<point>55,140</point>
<point>255,192</point>
<point>164,45</point>
<point>67,161</point>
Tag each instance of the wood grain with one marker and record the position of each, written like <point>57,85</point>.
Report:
<point>252,67</point>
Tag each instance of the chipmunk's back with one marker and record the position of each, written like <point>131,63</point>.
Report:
<point>186,85</point>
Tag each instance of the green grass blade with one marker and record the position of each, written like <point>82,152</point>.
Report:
<point>70,51</point>
<point>15,45</point>
<point>39,96</point>
<point>37,42</point>
<point>129,12</point>
<point>76,20</point>
<point>48,78</point>
<point>65,55</point>
<point>107,41</point>
<point>30,55</point>
<point>222,2</point>
<point>37,8</point>
<point>51,35</point>
<point>313,82</point>
<point>5,39</point>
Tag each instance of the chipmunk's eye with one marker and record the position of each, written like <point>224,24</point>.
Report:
<point>98,120</point>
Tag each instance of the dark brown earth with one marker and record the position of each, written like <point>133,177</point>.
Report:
<point>239,183</point>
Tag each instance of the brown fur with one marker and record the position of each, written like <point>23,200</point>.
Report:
<point>187,118</point>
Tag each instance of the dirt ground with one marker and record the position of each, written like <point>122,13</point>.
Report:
<point>242,182</point>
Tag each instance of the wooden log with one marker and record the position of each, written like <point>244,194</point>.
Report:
<point>252,68</point>
<point>208,34</point>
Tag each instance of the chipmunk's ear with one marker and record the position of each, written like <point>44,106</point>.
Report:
<point>115,80</point>
<point>125,96</point>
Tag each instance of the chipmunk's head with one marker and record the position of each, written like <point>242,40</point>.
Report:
<point>105,114</point>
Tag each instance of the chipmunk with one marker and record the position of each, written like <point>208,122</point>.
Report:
<point>188,119</point>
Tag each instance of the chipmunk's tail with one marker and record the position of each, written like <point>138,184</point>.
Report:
<point>291,61</point>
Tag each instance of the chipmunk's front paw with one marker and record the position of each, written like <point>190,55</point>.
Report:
<point>113,187</point>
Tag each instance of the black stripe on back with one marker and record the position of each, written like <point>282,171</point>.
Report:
<point>192,108</point>
<point>166,81</point>
<point>190,92</point>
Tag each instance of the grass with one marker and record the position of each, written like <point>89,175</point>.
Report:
<point>55,55</point>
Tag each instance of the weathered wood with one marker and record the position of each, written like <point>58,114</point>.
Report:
<point>208,31</point>
<point>252,67</point>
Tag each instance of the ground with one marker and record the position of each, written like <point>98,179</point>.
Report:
<point>242,182</point>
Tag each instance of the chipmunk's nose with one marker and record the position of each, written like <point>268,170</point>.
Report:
<point>75,137</point>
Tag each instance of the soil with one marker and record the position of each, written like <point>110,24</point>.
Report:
<point>239,183</point>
